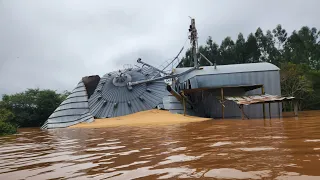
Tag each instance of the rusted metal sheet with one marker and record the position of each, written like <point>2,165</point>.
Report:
<point>258,99</point>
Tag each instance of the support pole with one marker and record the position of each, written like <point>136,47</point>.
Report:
<point>194,41</point>
<point>184,106</point>
<point>222,105</point>
<point>211,64</point>
<point>295,108</point>
<point>242,113</point>
<point>279,110</point>
<point>263,104</point>
<point>146,64</point>
<point>270,110</point>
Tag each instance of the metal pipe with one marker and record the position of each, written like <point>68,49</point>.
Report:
<point>194,41</point>
<point>161,78</point>
<point>146,64</point>
<point>222,103</point>
<point>180,97</point>
<point>169,63</point>
<point>263,104</point>
<point>174,93</point>
<point>184,107</point>
<point>206,59</point>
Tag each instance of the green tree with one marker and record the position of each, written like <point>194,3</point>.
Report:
<point>262,44</point>
<point>313,102</point>
<point>294,82</point>
<point>252,49</point>
<point>227,51</point>
<point>272,53</point>
<point>187,61</point>
<point>213,53</point>
<point>240,49</point>
<point>281,36</point>
<point>302,47</point>
<point>32,107</point>
<point>7,128</point>
<point>5,117</point>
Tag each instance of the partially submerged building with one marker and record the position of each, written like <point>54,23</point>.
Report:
<point>208,87</point>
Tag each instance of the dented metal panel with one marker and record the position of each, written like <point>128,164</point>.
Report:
<point>113,98</point>
<point>73,110</point>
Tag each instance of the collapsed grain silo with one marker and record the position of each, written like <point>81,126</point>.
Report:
<point>109,96</point>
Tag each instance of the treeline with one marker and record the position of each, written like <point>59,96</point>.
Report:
<point>296,54</point>
<point>28,109</point>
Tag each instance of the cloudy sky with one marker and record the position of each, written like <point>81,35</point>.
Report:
<point>53,43</point>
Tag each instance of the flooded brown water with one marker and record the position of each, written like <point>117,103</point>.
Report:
<point>287,148</point>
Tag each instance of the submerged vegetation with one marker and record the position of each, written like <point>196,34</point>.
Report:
<point>297,55</point>
<point>28,109</point>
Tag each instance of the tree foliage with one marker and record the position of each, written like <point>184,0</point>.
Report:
<point>30,108</point>
<point>6,117</point>
<point>294,81</point>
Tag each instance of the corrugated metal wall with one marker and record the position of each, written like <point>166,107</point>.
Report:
<point>109,100</point>
<point>209,105</point>
<point>73,110</point>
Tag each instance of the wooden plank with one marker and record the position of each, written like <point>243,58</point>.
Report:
<point>295,107</point>
<point>279,110</point>
<point>242,113</point>
<point>184,106</point>
<point>263,105</point>
<point>270,110</point>
<point>222,105</point>
<point>251,87</point>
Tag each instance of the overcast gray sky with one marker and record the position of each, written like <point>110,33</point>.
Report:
<point>53,43</point>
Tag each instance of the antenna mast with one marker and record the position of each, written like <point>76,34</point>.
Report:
<point>194,41</point>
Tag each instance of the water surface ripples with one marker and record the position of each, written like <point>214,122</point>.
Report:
<point>220,149</point>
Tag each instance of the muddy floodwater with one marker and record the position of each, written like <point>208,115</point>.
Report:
<point>287,148</point>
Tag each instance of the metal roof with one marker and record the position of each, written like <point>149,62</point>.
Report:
<point>225,69</point>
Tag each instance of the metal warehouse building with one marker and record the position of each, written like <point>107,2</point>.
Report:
<point>205,86</point>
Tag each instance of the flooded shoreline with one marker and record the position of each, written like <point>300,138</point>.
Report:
<point>218,149</point>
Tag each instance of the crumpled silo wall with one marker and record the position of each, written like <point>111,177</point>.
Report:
<point>91,83</point>
<point>113,98</point>
<point>73,110</point>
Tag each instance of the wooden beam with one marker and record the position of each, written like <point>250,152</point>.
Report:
<point>242,113</point>
<point>279,110</point>
<point>248,87</point>
<point>184,106</point>
<point>270,110</point>
<point>295,108</point>
<point>222,105</point>
<point>263,105</point>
